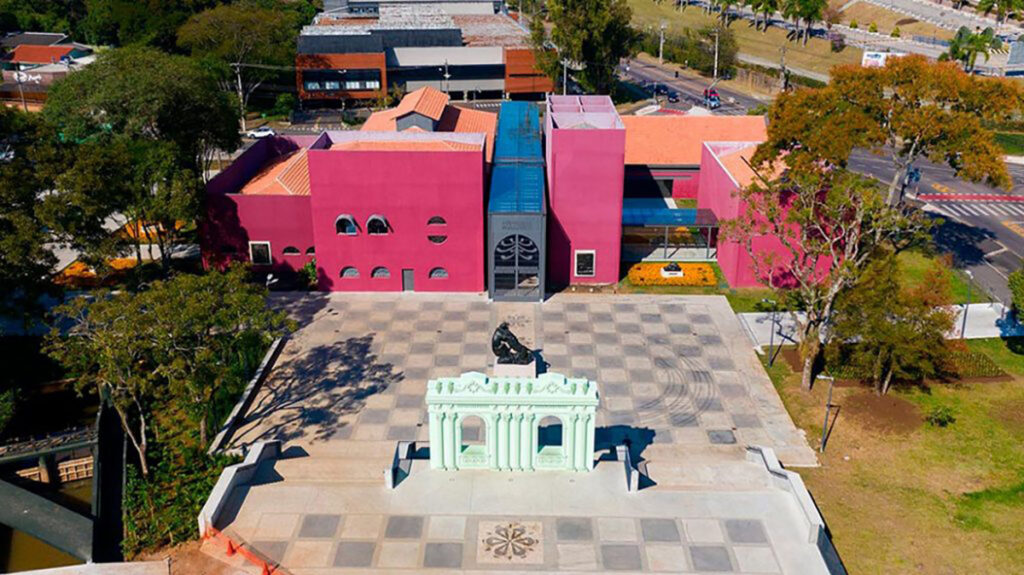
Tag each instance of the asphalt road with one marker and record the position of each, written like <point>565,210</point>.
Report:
<point>690,89</point>
<point>985,237</point>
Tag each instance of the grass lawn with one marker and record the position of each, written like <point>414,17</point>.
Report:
<point>1011,142</point>
<point>864,14</point>
<point>915,265</point>
<point>903,496</point>
<point>817,56</point>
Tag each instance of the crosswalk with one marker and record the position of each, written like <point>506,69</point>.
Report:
<point>968,209</point>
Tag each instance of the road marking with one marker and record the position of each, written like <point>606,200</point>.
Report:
<point>971,210</point>
<point>942,189</point>
<point>987,210</point>
<point>1015,209</point>
<point>1014,227</point>
<point>956,209</point>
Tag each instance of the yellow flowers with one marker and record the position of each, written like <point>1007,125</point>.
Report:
<point>693,274</point>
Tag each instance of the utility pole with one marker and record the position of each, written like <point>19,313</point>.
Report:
<point>21,91</point>
<point>782,63</point>
<point>661,42</point>
<point>716,54</point>
<point>565,75</point>
<point>447,78</point>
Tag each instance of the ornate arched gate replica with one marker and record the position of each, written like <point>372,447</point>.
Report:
<point>512,409</point>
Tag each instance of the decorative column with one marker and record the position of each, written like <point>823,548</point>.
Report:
<point>503,443</point>
<point>436,441</point>
<point>492,440</point>
<point>581,443</point>
<point>590,441</point>
<point>531,443</point>
<point>448,437</point>
<point>569,440</point>
<point>515,429</point>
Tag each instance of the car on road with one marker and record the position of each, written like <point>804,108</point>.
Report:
<point>261,132</point>
<point>673,97</point>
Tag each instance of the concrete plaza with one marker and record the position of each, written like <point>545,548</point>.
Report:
<point>676,375</point>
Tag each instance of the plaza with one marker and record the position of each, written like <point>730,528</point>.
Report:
<point>677,381</point>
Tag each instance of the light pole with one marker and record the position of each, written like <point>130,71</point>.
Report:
<point>963,325</point>
<point>661,42</point>
<point>828,409</point>
<point>716,54</point>
<point>771,338</point>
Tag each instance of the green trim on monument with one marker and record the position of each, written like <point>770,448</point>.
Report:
<point>512,409</point>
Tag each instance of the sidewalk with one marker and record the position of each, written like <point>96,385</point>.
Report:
<point>984,320</point>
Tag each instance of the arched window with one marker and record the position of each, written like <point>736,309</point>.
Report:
<point>438,274</point>
<point>380,272</point>
<point>549,432</point>
<point>291,251</point>
<point>349,272</point>
<point>437,239</point>
<point>345,225</point>
<point>436,221</point>
<point>377,226</point>
<point>310,251</point>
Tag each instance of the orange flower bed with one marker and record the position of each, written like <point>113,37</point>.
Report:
<point>80,275</point>
<point>694,274</point>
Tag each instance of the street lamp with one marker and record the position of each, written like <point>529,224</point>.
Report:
<point>963,325</point>
<point>771,337</point>
<point>828,409</point>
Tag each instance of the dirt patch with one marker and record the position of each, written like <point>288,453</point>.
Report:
<point>188,559</point>
<point>1011,414</point>
<point>881,413</point>
<point>791,355</point>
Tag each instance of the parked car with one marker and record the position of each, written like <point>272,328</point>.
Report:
<point>673,97</point>
<point>261,132</point>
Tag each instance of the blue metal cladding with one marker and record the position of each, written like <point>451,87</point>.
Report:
<point>517,174</point>
<point>661,217</point>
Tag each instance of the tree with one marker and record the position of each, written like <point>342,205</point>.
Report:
<point>1016,284</point>
<point>765,9</point>
<point>110,351</point>
<point>245,42</point>
<point>199,323</point>
<point>829,225</point>
<point>145,94</point>
<point>911,108</point>
<point>595,34</point>
<point>26,262</point>
<point>966,46</point>
<point>890,330</point>
<point>1002,8</point>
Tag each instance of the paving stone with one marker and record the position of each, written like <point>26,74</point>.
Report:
<point>374,416</point>
<point>659,530</point>
<point>319,526</point>
<point>577,557</point>
<point>721,436</point>
<point>746,420</point>
<point>405,400</point>
<point>309,553</point>
<point>276,525</point>
<point>683,419</point>
<point>707,558</point>
<point>273,550</point>
<point>574,529</point>
<point>667,558</point>
<point>745,531</point>
<point>361,527</point>
<point>402,432</point>
<point>755,559</point>
<point>712,404</point>
<point>446,527</point>
<point>443,555</point>
<point>700,376</point>
<point>703,531</point>
<point>354,554</point>
<point>732,390</point>
<point>616,529</point>
<point>619,389</point>
<point>708,340</point>
<point>404,527</point>
<point>621,557</point>
<point>716,362</point>
<point>399,554</point>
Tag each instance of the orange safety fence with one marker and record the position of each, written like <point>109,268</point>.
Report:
<point>232,547</point>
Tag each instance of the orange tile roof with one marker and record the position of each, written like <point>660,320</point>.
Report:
<point>427,101</point>
<point>285,175</point>
<point>677,140</point>
<point>29,54</point>
<point>736,163</point>
<point>382,121</point>
<point>469,121</point>
<point>405,146</point>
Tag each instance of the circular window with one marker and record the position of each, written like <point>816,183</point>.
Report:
<point>436,221</point>
<point>291,251</point>
<point>437,239</point>
<point>381,273</point>
<point>310,251</point>
<point>349,272</point>
<point>438,274</point>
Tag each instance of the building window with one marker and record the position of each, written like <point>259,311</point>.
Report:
<point>438,274</point>
<point>345,225</point>
<point>381,273</point>
<point>377,226</point>
<point>310,251</point>
<point>436,221</point>
<point>349,272</point>
<point>291,251</point>
<point>584,262</point>
<point>353,85</point>
<point>332,85</point>
<point>372,85</point>
<point>437,239</point>
<point>312,86</point>
<point>259,253</point>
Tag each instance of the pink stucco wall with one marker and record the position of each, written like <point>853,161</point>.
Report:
<point>407,188</point>
<point>585,177</point>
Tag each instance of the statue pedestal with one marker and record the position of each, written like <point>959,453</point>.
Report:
<point>515,370</point>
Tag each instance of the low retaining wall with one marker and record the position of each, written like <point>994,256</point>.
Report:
<point>232,477</point>
<point>132,568</point>
<point>247,397</point>
<point>793,483</point>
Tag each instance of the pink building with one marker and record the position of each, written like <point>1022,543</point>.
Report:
<point>585,167</point>
<point>379,211</point>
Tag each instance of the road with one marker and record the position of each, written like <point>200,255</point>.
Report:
<point>690,89</point>
<point>986,237</point>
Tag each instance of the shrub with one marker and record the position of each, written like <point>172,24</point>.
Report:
<point>940,416</point>
<point>853,24</point>
<point>1016,284</point>
<point>694,274</point>
<point>310,275</point>
<point>873,28</point>
<point>895,32</point>
<point>284,105</point>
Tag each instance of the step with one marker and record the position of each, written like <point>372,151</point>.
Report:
<point>326,470</point>
<point>343,448</point>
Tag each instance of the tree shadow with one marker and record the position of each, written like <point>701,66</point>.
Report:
<point>306,397</point>
<point>964,242</point>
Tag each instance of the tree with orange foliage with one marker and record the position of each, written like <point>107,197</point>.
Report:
<point>910,109</point>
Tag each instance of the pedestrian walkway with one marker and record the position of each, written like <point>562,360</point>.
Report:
<point>1011,209</point>
<point>984,320</point>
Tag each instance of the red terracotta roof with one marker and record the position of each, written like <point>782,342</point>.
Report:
<point>427,101</point>
<point>469,121</point>
<point>677,140</point>
<point>736,161</point>
<point>285,175</point>
<point>30,54</point>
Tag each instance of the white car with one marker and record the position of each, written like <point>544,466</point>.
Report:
<point>261,132</point>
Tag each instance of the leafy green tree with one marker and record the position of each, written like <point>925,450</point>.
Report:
<point>830,225</point>
<point>50,16</point>
<point>26,262</point>
<point>8,402</point>
<point>699,51</point>
<point>889,330</point>
<point>592,34</point>
<point>245,43</point>
<point>911,108</point>
<point>966,46</point>
<point>199,322</point>
<point>1016,284</point>
<point>764,9</point>
<point>1002,8</point>
<point>145,94</point>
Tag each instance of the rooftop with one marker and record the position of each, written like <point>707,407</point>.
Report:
<point>33,54</point>
<point>32,38</point>
<point>476,29</point>
<point>285,175</point>
<point>583,113</point>
<point>677,140</point>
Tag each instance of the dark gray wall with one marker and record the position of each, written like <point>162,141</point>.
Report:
<point>532,226</point>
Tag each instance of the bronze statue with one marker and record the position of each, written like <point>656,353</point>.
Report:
<point>508,349</point>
